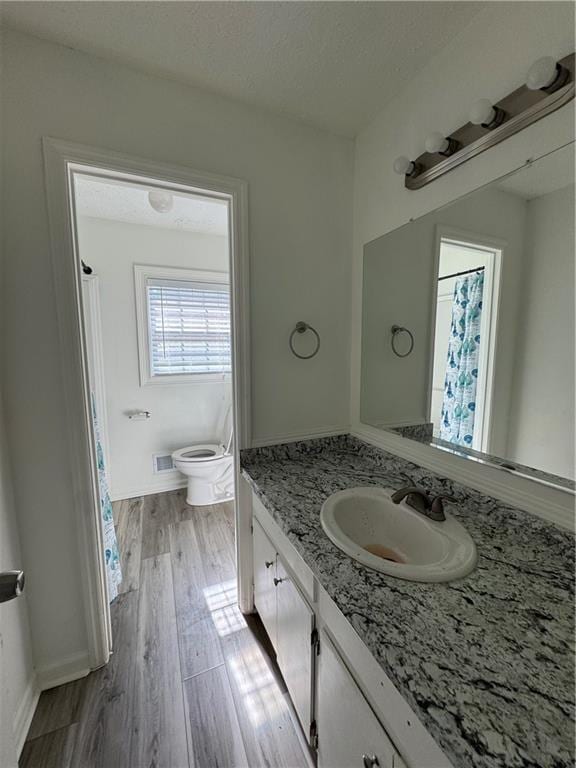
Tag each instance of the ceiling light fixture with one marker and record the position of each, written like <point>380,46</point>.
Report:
<point>484,113</point>
<point>547,74</point>
<point>161,200</point>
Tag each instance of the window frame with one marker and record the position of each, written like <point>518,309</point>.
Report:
<point>144,272</point>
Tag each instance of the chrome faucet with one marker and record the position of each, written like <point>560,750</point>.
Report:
<point>419,500</point>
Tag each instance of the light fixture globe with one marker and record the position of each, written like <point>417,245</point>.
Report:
<point>161,200</point>
<point>541,74</point>
<point>403,165</point>
<point>481,112</point>
<point>436,142</point>
<point>484,113</point>
<point>547,74</point>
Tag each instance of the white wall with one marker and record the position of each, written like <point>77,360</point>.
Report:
<point>542,418</point>
<point>488,59</point>
<point>181,413</point>
<point>18,689</point>
<point>300,233</point>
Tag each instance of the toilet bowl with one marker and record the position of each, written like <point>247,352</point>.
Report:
<point>209,468</point>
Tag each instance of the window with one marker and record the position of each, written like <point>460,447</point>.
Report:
<point>184,319</point>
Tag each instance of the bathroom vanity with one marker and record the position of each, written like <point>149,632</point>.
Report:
<point>387,672</point>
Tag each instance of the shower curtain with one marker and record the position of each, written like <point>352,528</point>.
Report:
<point>459,402</point>
<point>111,554</point>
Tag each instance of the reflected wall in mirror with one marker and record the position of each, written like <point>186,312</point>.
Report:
<point>486,286</point>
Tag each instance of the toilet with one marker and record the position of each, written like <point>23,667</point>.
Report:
<point>209,467</point>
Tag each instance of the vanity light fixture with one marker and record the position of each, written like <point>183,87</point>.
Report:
<point>547,75</point>
<point>404,166</point>
<point>437,143</point>
<point>484,113</point>
<point>549,85</point>
<point>161,200</point>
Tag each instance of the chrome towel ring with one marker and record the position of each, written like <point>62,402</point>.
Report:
<point>302,327</point>
<point>396,329</point>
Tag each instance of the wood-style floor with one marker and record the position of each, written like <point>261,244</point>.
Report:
<point>191,682</point>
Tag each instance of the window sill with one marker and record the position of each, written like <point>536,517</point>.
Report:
<point>171,380</point>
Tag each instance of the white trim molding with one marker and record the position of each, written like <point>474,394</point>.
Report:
<point>552,504</point>
<point>171,483</point>
<point>25,713</point>
<point>64,670</point>
<point>61,161</point>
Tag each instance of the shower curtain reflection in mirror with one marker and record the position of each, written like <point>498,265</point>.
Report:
<point>462,375</point>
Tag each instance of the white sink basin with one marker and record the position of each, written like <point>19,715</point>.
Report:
<point>396,539</point>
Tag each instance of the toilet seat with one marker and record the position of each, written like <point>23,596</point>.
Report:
<point>199,453</point>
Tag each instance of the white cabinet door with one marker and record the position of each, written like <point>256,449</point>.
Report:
<point>294,650</point>
<point>349,733</point>
<point>264,576</point>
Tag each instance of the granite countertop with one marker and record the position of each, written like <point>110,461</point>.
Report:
<point>486,662</point>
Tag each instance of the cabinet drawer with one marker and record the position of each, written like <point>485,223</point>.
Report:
<point>349,733</point>
<point>264,575</point>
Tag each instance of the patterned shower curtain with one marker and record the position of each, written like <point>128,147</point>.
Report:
<point>111,554</point>
<point>459,404</point>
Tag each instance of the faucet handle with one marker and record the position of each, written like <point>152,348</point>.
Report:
<point>437,506</point>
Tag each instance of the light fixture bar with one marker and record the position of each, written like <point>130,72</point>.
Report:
<point>510,115</point>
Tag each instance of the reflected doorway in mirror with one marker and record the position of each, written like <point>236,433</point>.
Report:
<point>464,339</point>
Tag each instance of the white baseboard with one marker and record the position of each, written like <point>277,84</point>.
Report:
<point>72,668</point>
<point>293,437</point>
<point>170,484</point>
<point>64,671</point>
<point>25,713</point>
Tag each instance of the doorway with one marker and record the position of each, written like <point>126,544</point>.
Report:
<point>464,341</point>
<point>66,165</point>
<point>155,280</point>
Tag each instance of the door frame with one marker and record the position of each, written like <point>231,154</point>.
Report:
<point>61,160</point>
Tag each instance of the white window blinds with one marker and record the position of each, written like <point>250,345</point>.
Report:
<point>188,327</point>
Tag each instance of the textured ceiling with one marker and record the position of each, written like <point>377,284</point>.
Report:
<point>331,64</point>
<point>120,201</point>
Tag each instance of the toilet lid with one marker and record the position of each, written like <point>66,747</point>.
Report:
<point>225,427</point>
<point>199,452</point>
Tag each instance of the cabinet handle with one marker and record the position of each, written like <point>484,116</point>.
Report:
<point>268,563</point>
<point>369,761</point>
<point>278,581</point>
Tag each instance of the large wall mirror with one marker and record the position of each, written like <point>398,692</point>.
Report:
<point>485,288</point>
